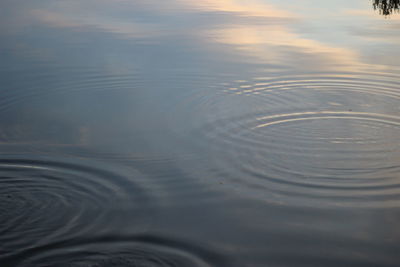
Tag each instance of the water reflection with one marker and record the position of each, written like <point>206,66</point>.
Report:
<point>387,7</point>
<point>254,31</point>
<point>264,130</point>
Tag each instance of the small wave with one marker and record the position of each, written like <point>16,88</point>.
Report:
<point>45,198</point>
<point>301,116</point>
<point>311,139</point>
<point>35,86</point>
<point>340,158</point>
<point>113,250</point>
<point>371,83</point>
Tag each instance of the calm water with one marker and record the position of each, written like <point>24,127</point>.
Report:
<point>199,133</point>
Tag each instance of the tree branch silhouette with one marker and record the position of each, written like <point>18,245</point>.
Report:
<point>387,7</point>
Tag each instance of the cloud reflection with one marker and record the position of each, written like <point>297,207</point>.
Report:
<point>249,8</point>
<point>125,28</point>
<point>252,30</point>
<point>274,40</point>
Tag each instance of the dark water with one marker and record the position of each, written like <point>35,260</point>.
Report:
<point>199,133</point>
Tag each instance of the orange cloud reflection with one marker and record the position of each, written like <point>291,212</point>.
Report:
<point>266,39</point>
<point>246,8</point>
<point>251,28</point>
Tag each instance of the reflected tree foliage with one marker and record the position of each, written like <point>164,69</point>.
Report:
<point>387,7</point>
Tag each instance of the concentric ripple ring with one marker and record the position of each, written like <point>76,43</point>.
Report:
<point>44,199</point>
<point>338,157</point>
<point>126,250</point>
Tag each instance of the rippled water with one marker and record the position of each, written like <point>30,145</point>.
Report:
<point>199,133</point>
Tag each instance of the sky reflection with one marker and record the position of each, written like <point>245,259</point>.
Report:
<point>185,41</point>
<point>258,32</point>
<point>197,83</point>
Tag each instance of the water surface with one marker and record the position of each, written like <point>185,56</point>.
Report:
<point>199,133</point>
